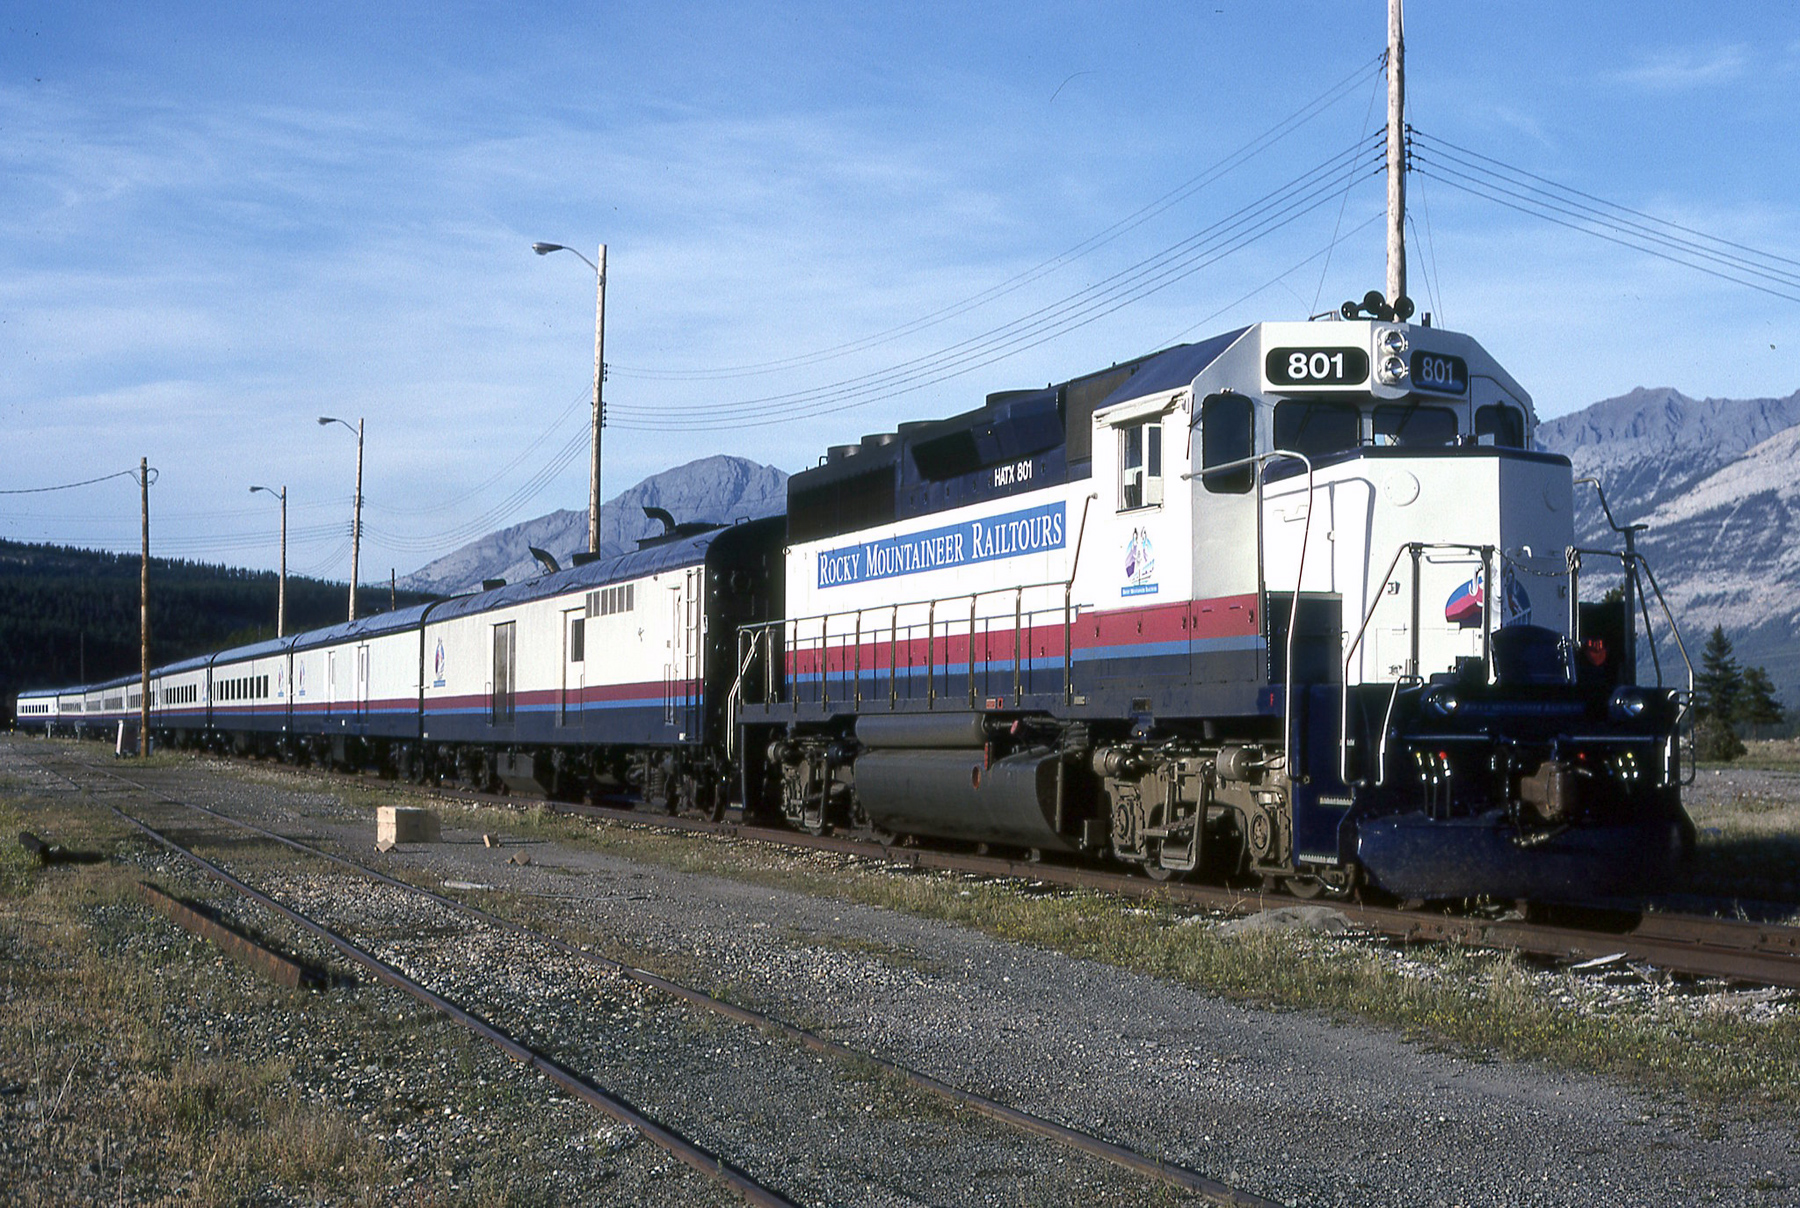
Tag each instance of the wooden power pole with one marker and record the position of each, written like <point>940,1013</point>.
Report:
<point>144,612</point>
<point>1396,156</point>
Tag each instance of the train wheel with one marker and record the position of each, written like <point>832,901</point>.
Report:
<point>1153,865</point>
<point>1310,887</point>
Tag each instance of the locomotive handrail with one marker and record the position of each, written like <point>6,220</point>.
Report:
<point>1416,549</point>
<point>1630,562</point>
<point>1019,615</point>
<point>1260,462</point>
<point>1675,632</point>
<point>735,697</point>
<point>1068,644</point>
<point>1020,618</point>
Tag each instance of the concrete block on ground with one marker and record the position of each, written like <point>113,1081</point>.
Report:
<point>405,824</point>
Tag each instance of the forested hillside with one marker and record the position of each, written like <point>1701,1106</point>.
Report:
<point>71,615</point>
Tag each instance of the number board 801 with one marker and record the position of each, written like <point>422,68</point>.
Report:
<point>1317,366</point>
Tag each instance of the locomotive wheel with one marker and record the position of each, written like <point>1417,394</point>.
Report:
<point>1310,887</point>
<point>1153,865</point>
<point>1305,887</point>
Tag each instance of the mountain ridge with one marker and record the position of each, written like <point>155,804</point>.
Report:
<point>718,489</point>
<point>1718,483</point>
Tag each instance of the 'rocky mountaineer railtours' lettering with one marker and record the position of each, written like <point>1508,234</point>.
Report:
<point>1010,535</point>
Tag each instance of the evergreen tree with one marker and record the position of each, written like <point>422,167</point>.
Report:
<point>1721,682</point>
<point>1716,692</point>
<point>1756,704</point>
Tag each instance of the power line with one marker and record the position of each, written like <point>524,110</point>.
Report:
<point>69,486</point>
<point>1539,197</point>
<point>1250,223</point>
<point>1249,150</point>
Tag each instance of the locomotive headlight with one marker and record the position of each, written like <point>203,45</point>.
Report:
<point>1442,701</point>
<point>1627,704</point>
<point>1392,342</point>
<point>1393,371</point>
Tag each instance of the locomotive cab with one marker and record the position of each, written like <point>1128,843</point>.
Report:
<point>1454,746</point>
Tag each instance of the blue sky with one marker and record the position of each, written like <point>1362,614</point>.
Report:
<point>218,222</point>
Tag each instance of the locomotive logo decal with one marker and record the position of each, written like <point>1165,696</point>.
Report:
<point>1032,531</point>
<point>1464,606</point>
<point>1140,565</point>
<point>300,678</point>
<point>437,665</point>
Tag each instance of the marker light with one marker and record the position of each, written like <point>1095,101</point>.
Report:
<point>1442,701</point>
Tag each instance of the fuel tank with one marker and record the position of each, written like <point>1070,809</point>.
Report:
<point>956,794</point>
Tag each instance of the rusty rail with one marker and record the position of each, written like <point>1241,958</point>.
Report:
<point>266,961</point>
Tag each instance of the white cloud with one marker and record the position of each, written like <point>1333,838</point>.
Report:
<point>1686,69</point>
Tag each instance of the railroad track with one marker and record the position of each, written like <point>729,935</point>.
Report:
<point>684,1149</point>
<point>1686,944</point>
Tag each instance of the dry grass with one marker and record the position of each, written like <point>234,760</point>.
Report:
<point>1775,754</point>
<point>115,1093</point>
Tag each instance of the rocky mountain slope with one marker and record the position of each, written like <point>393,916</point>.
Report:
<point>1718,482</point>
<point>719,488</point>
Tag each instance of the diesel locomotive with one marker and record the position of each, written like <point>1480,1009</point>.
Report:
<point>1299,604</point>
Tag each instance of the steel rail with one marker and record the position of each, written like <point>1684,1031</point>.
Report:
<point>1695,945</point>
<point>1168,1173</point>
<point>673,1143</point>
<point>1767,954</point>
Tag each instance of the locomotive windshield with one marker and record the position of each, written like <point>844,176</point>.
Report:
<point>1317,428</point>
<point>1412,425</point>
<point>1500,425</point>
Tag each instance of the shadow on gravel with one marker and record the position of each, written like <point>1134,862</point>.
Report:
<point>55,853</point>
<point>1764,867</point>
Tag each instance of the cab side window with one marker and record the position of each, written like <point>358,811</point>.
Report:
<point>1140,465</point>
<point>1227,434</point>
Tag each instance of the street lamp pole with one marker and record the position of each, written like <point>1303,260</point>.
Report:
<point>281,591</point>
<point>599,421</point>
<point>356,512</point>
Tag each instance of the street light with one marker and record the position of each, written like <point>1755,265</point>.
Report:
<point>356,512</point>
<point>544,249</point>
<point>281,592</point>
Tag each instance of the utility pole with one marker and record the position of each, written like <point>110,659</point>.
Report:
<point>599,406</point>
<point>1396,156</point>
<point>356,510</point>
<point>356,520</point>
<point>599,267</point>
<point>144,613</point>
<point>281,588</point>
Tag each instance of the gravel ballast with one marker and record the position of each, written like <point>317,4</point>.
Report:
<point>1286,1104</point>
